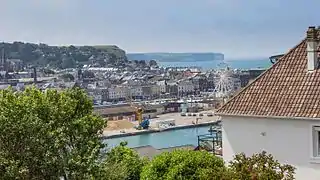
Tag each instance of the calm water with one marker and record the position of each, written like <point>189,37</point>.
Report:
<point>163,139</point>
<point>236,64</point>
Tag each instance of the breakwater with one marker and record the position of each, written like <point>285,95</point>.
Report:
<point>156,130</point>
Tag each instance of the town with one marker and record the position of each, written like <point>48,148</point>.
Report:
<point>169,97</point>
<point>134,80</point>
<point>149,90</point>
<point>157,90</point>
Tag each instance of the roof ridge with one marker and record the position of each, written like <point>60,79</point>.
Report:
<point>261,75</point>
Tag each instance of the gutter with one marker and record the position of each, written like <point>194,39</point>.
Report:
<point>268,117</point>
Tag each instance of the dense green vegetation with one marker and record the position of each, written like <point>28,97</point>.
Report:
<point>67,77</point>
<point>259,166</point>
<point>128,159</point>
<point>52,134</point>
<point>182,164</point>
<point>48,134</point>
<point>62,56</point>
<point>200,165</point>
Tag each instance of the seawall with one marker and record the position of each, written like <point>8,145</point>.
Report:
<point>159,130</point>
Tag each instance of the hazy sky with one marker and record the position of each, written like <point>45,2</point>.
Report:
<point>238,28</point>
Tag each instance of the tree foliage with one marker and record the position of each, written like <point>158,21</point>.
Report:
<point>184,164</point>
<point>47,135</point>
<point>68,62</point>
<point>126,158</point>
<point>153,63</point>
<point>112,171</point>
<point>51,134</point>
<point>142,63</point>
<point>60,56</point>
<point>260,166</point>
<point>67,77</point>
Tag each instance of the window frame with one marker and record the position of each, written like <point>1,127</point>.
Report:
<point>315,143</point>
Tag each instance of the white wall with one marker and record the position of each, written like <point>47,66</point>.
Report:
<point>289,141</point>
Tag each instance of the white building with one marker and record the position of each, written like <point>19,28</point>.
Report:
<point>279,112</point>
<point>163,86</point>
<point>117,92</point>
<point>155,90</point>
<point>135,90</point>
<point>185,87</point>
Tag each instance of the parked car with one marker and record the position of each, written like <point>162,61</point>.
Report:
<point>200,114</point>
<point>194,114</point>
<point>183,114</point>
<point>189,114</point>
<point>209,114</point>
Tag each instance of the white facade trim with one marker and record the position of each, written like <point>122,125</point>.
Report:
<point>268,117</point>
<point>314,143</point>
<point>290,141</point>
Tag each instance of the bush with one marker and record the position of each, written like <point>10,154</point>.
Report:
<point>260,166</point>
<point>127,159</point>
<point>184,164</point>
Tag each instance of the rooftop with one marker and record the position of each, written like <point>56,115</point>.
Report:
<point>286,89</point>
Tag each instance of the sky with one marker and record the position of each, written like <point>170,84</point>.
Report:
<point>237,28</point>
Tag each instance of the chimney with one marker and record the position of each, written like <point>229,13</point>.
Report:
<point>312,48</point>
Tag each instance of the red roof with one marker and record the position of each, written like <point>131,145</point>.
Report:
<point>286,89</point>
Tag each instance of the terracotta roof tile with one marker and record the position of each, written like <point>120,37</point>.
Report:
<point>286,89</point>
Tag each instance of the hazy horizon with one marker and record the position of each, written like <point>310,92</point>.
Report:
<point>235,58</point>
<point>237,29</point>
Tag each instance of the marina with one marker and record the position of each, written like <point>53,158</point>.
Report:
<point>164,139</point>
<point>157,130</point>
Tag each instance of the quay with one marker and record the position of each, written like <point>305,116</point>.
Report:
<point>122,128</point>
<point>156,130</point>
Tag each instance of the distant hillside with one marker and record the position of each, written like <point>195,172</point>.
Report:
<point>62,56</point>
<point>176,57</point>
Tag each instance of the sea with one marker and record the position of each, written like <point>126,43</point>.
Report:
<point>218,64</point>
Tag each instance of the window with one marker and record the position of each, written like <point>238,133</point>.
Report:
<point>316,141</point>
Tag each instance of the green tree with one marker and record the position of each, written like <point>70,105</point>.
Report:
<point>47,135</point>
<point>112,59</point>
<point>67,77</point>
<point>153,63</point>
<point>68,62</point>
<point>136,62</point>
<point>129,161</point>
<point>260,166</point>
<point>184,164</point>
<point>112,171</point>
<point>142,63</point>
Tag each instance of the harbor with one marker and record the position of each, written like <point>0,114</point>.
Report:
<point>167,132</point>
<point>164,139</point>
<point>121,128</point>
<point>157,130</point>
<point>205,136</point>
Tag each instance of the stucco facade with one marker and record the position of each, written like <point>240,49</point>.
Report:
<point>288,140</point>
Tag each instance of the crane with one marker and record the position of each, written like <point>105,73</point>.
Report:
<point>138,113</point>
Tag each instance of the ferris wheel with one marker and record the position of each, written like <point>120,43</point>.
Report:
<point>224,82</point>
